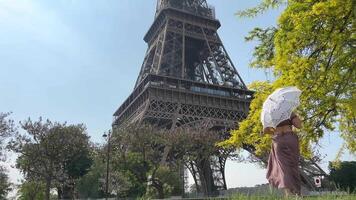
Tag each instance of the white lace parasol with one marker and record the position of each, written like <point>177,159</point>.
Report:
<point>279,106</point>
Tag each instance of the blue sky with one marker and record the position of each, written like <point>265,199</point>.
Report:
<point>78,60</point>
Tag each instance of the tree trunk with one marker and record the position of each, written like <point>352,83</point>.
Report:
<point>159,187</point>
<point>67,192</point>
<point>160,191</point>
<point>59,192</point>
<point>48,188</point>
<point>206,177</point>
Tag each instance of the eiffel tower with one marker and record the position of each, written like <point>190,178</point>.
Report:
<point>187,79</point>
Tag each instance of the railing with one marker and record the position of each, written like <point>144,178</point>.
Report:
<point>208,12</point>
<point>199,87</point>
<point>184,85</point>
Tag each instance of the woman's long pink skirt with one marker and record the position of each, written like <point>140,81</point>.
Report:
<point>282,169</point>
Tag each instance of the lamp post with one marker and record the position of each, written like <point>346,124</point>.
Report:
<point>108,136</point>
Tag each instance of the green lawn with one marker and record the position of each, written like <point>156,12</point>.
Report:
<point>322,197</point>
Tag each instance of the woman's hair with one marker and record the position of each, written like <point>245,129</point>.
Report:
<point>269,130</point>
<point>293,115</point>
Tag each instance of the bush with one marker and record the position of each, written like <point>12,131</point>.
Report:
<point>344,175</point>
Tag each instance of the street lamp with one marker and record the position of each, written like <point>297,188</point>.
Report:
<point>108,136</point>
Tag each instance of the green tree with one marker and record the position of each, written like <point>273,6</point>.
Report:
<point>164,180</point>
<point>129,175</point>
<point>139,160</point>
<point>148,161</point>
<point>49,153</point>
<point>7,128</point>
<point>313,48</point>
<point>91,185</point>
<point>344,175</point>
<point>131,159</point>
<point>31,190</point>
<point>195,148</point>
<point>5,186</point>
<point>74,158</point>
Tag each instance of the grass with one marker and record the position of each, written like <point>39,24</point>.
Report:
<point>271,197</point>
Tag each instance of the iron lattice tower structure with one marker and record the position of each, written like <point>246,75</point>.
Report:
<point>188,79</point>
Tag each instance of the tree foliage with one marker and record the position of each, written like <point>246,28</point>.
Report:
<point>163,180</point>
<point>53,153</point>
<point>262,7</point>
<point>7,128</point>
<point>138,151</point>
<point>148,161</point>
<point>91,185</point>
<point>5,185</point>
<point>31,190</point>
<point>313,48</point>
<point>344,175</point>
<point>196,149</point>
<point>250,129</point>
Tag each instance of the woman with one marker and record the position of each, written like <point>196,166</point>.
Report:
<point>282,169</point>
